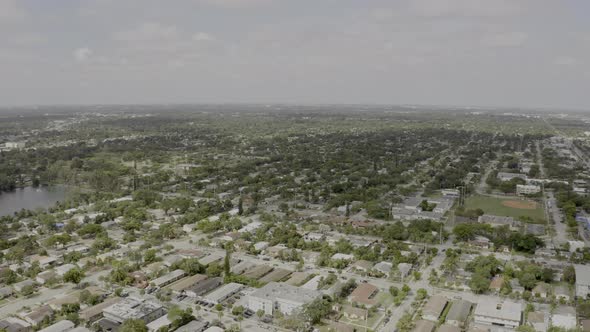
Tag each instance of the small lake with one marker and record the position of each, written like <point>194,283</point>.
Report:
<point>30,198</point>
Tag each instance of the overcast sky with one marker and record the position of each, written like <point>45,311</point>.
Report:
<point>525,53</point>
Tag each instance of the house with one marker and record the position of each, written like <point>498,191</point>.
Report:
<point>193,326</point>
<point>259,246</point>
<point>94,313</point>
<point>424,326</point>
<point>61,326</point>
<point>19,286</point>
<point>133,308</point>
<point>364,293</point>
<point>541,290</point>
<point>362,265</point>
<point>582,280</point>
<point>63,269</point>
<point>538,320</point>
<point>5,292</point>
<point>502,176</point>
<point>354,313</point>
<point>280,297</point>
<point>14,324</point>
<point>160,323</point>
<point>481,242</point>
<point>314,236</point>
<point>562,293</point>
<point>497,283</point>
<point>383,267</point>
<point>491,311</point>
<point>189,228</point>
<point>404,269</point>
<point>564,317</point>
<point>515,285</point>
<point>459,312</point>
<point>38,315</point>
<point>434,308</point>
<point>46,276</point>
<point>344,257</point>
<point>575,245</point>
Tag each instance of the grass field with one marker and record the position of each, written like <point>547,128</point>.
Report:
<point>499,207</point>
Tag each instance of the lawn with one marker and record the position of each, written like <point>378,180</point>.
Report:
<point>498,206</point>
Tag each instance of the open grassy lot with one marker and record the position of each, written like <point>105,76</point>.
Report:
<point>510,206</point>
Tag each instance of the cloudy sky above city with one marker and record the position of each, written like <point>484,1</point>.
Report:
<point>523,53</point>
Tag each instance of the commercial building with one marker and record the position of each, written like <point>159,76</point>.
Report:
<point>527,189</point>
<point>582,280</point>
<point>160,323</point>
<point>223,293</point>
<point>496,221</point>
<point>491,311</point>
<point>280,297</point>
<point>134,308</point>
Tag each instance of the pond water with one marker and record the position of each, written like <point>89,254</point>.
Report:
<point>30,198</point>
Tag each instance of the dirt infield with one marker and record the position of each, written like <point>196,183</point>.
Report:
<point>524,205</point>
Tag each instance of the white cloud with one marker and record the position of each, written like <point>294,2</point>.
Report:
<point>469,8</point>
<point>82,54</point>
<point>565,60</point>
<point>10,10</point>
<point>148,32</point>
<point>504,39</point>
<point>202,36</point>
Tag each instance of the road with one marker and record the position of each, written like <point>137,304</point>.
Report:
<point>560,227</point>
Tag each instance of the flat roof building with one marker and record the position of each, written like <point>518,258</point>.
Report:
<point>203,287</point>
<point>280,297</point>
<point>168,278</point>
<point>492,311</point>
<point>582,280</point>
<point>434,308</point>
<point>459,312</point>
<point>223,293</point>
<point>134,308</point>
<point>61,326</point>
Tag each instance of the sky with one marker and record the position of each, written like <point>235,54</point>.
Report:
<point>491,53</point>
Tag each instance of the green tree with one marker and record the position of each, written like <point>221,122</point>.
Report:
<point>74,275</point>
<point>133,325</point>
